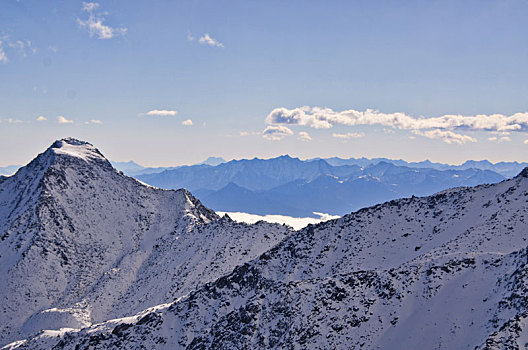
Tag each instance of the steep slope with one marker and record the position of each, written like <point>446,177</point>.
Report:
<point>448,271</point>
<point>82,243</point>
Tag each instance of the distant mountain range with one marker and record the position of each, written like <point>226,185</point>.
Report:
<point>506,169</point>
<point>293,187</point>
<point>132,168</point>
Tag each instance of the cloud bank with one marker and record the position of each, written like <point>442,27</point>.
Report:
<point>296,223</point>
<point>441,128</point>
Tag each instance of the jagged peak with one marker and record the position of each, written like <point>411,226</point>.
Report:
<point>523,173</point>
<point>76,148</point>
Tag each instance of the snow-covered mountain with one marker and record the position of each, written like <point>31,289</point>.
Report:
<point>292,187</point>
<point>448,271</point>
<point>82,243</point>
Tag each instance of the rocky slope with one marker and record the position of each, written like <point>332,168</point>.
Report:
<point>82,243</point>
<point>448,271</point>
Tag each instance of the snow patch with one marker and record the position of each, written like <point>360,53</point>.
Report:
<point>76,148</point>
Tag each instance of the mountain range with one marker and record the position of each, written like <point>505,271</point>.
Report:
<point>506,169</point>
<point>85,248</point>
<point>290,186</point>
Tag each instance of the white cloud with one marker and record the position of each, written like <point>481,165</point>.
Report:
<point>499,139</point>
<point>190,37</point>
<point>526,142</point>
<point>3,56</point>
<point>206,39</point>
<point>62,120</point>
<point>94,121</point>
<point>446,136</point>
<point>13,121</point>
<point>323,118</point>
<point>304,136</point>
<point>276,132</point>
<point>42,118</point>
<point>350,135</point>
<point>160,113</point>
<point>249,133</point>
<point>23,47</point>
<point>90,6</point>
<point>187,122</point>
<point>95,25</point>
<point>436,128</point>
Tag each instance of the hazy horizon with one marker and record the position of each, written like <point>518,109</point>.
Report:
<point>227,159</point>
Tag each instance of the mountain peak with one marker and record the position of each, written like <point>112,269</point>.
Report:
<point>523,173</point>
<point>76,148</point>
<point>213,161</point>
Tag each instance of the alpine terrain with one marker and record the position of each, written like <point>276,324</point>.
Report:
<point>81,243</point>
<point>447,271</point>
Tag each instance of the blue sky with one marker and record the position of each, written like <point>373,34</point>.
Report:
<point>243,71</point>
